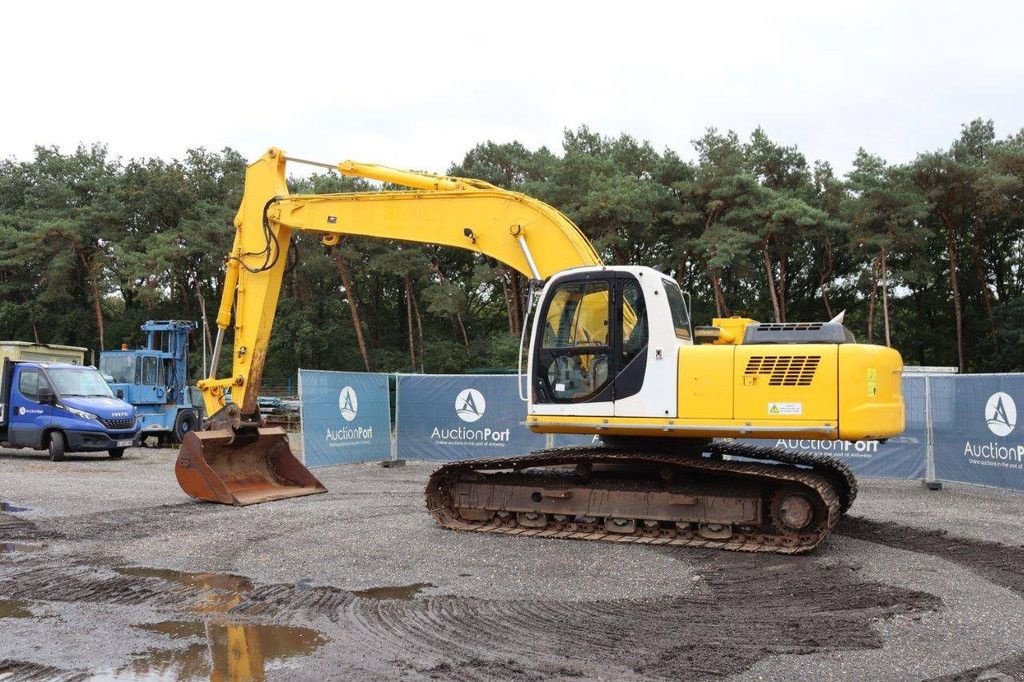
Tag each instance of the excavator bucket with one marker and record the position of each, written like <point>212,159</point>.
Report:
<point>242,468</point>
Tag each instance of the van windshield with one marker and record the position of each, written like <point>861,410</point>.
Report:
<point>78,382</point>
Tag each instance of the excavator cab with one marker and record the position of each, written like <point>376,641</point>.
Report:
<point>605,343</point>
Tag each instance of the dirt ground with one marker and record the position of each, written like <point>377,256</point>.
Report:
<point>108,571</point>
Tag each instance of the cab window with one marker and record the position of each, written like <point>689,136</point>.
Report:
<point>676,304</point>
<point>120,367</point>
<point>634,332</point>
<point>28,383</point>
<point>575,347</point>
<point>150,367</point>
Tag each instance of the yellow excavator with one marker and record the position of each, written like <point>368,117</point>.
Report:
<point>612,352</point>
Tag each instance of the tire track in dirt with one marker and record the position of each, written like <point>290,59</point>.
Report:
<point>1000,564</point>
<point>1008,669</point>
<point>741,611</point>
<point>23,671</point>
<point>15,528</point>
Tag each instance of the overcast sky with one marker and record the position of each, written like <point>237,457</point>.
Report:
<point>418,84</point>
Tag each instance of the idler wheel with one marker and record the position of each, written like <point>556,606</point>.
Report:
<point>792,510</point>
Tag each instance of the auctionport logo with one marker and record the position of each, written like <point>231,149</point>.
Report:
<point>470,405</point>
<point>1001,418</point>
<point>348,403</point>
<point>1001,414</point>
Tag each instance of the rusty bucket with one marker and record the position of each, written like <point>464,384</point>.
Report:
<point>242,468</point>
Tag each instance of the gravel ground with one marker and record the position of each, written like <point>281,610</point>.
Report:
<point>110,571</point>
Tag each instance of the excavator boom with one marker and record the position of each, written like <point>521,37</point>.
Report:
<point>235,461</point>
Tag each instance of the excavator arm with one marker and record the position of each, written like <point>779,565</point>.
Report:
<point>234,460</point>
<point>519,231</point>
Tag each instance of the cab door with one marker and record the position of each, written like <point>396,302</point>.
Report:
<point>573,362</point>
<point>149,380</point>
<point>29,417</point>
<point>591,354</point>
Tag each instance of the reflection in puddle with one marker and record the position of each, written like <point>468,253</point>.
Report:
<point>6,547</point>
<point>219,591</point>
<point>226,651</point>
<point>403,592</point>
<point>14,608</point>
<point>178,629</point>
<point>8,507</point>
<point>213,581</point>
<point>229,652</point>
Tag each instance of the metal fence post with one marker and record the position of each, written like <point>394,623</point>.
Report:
<point>302,422</point>
<point>398,406</point>
<point>929,476</point>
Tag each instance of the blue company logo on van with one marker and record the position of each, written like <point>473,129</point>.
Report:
<point>470,406</point>
<point>348,406</point>
<point>1001,418</point>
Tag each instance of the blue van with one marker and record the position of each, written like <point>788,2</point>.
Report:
<point>63,408</point>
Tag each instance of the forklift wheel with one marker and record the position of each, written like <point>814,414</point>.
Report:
<point>185,422</point>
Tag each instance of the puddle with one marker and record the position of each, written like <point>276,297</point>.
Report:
<point>219,591</point>
<point>8,507</point>
<point>212,581</point>
<point>14,608</point>
<point>6,547</point>
<point>177,629</point>
<point>403,592</point>
<point>227,652</point>
<point>223,651</point>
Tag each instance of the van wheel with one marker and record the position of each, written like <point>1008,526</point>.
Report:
<point>185,422</point>
<point>57,446</point>
<point>116,453</point>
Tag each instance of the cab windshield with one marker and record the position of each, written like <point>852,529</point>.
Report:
<point>120,367</point>
<point>78,382</point>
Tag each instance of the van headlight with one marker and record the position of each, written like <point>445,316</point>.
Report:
<point>81,413</point>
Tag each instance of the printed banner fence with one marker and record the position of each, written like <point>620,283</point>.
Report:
<point>346,417</point>
<point>455,417</point>
<point>976,434</point>
<point>960,428</point>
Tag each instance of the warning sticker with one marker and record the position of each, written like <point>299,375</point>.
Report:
<point>785,408</point>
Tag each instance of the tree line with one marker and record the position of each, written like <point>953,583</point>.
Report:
<point>925,256</point>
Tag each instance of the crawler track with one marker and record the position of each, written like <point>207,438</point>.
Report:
<point>487,490</point>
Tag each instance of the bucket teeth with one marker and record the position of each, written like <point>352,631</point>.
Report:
<point>216,466</point>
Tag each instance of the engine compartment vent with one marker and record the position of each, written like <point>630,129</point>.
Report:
<point>797,332</point>
<point>789,326</point>
<point>784,370</point>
